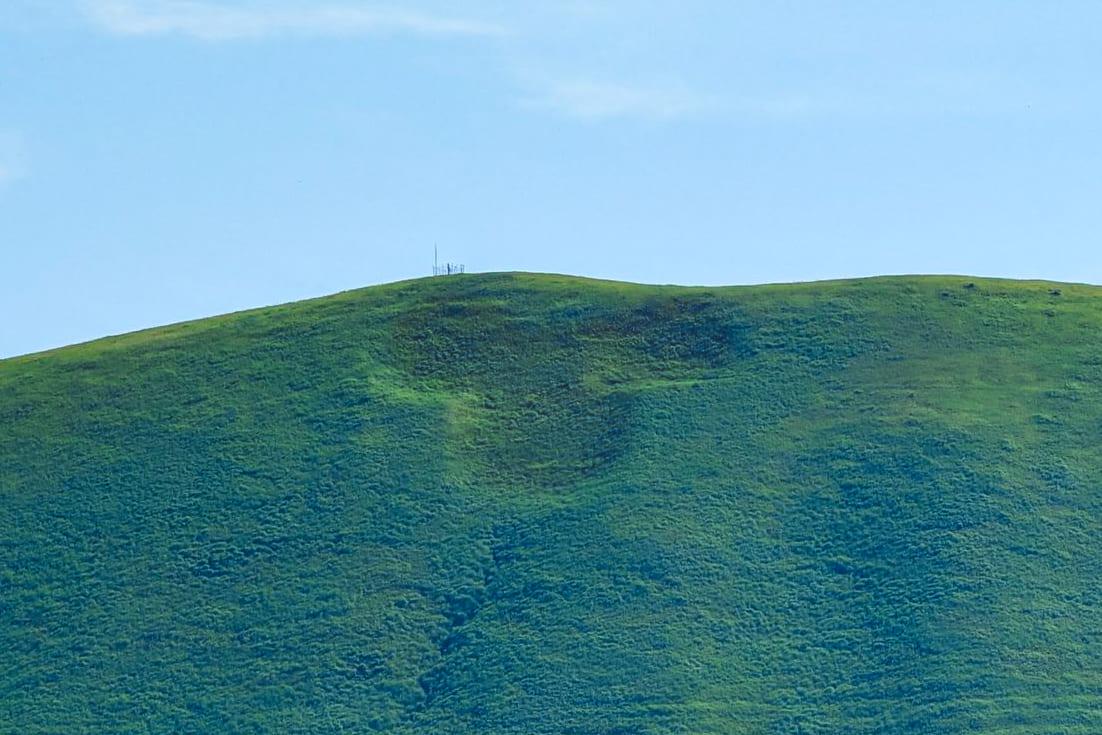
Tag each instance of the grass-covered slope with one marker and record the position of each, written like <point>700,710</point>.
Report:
<point>537,504</point>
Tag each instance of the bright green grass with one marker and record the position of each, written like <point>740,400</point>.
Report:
<point>526,504</point>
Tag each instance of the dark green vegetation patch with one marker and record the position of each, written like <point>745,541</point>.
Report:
<point>537,504</point>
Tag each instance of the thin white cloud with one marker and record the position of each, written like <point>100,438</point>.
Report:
<point>589,100</point>
<point>210,22</point>
<point>593,101</point>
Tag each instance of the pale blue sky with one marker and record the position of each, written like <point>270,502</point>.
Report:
<point>165,160</point>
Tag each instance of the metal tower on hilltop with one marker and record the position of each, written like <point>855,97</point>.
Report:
<point>448,269</point>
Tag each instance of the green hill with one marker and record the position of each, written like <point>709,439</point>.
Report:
<point>527,504</point>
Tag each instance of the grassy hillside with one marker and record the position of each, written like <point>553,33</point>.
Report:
<point>530,504</point>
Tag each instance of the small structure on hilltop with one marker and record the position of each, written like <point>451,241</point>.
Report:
<point>448,269</point>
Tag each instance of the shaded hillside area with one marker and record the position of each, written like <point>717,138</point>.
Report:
<point>514,503</point>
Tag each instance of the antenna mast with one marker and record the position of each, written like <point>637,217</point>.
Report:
<point>448,269</point>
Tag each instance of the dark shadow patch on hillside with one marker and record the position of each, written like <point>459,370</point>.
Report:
<point>676,333</point>
<point>534,420</point>
<point>459,610</point>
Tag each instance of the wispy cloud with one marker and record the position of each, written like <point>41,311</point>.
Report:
<point>586,100</point>
<point>210,22</point>
<point>590,100</point>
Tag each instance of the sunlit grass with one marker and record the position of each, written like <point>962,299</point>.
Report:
<point>528,503</point>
